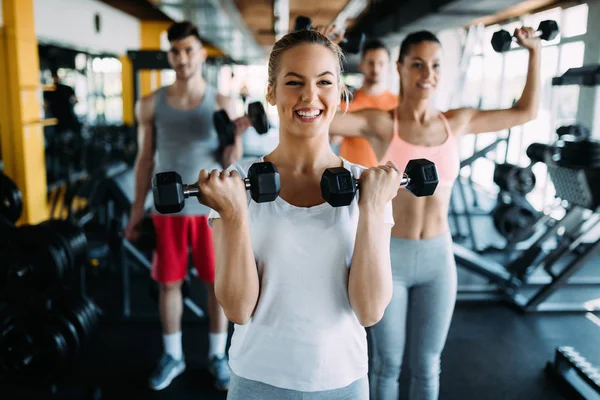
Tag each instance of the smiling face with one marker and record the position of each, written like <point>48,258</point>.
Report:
<point>419,70</point>
<point>306,89</point>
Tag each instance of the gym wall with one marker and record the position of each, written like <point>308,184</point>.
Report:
<point>71,23</point>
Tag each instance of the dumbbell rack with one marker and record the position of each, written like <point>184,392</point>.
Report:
<point>56,323</point>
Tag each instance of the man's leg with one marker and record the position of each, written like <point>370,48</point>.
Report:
<point>169,269</point>
<point>171,307</point>
<point>204,259</point>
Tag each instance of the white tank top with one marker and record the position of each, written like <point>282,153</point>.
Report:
<point>304,335</point>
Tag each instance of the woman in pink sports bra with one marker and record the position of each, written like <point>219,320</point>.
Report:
<point>423,268</point>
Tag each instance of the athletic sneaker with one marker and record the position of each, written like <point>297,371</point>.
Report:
<point>167,369</point>
<point>219,368</point>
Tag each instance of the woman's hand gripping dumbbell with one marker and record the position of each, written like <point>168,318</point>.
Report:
<point>170,193</point>
<point>338,185</point>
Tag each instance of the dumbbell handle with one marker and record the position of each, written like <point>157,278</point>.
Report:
<point>404,182</point>
<point>538,32</point>
<point>194,190</point>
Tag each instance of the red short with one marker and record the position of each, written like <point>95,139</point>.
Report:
<point>174,236</point>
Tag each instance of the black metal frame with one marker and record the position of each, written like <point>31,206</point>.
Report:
<point>116,193</point>
<point>510,283</point>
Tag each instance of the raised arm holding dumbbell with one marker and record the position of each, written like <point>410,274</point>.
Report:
<point>229,131</point>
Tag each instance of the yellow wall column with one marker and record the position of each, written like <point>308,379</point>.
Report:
<point>127,90</point>
<point>150,40</point>
<point>149,81</point>
<point>21,129</point>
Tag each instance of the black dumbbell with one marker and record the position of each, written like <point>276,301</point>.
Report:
<point>302,22</point>
<point>501,40</point>
<point>573,132</point>
<point>338,185</point>
<point>170,193</point>
<point>351,43</point>
<point>514,179</point>
<point>226,129</point>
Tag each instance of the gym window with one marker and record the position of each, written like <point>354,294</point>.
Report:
<point>496,80</point>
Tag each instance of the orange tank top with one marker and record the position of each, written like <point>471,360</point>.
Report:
<point>445,156</point>
<point>359,150</point>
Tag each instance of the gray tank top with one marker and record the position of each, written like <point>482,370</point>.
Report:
<point>186,142</point>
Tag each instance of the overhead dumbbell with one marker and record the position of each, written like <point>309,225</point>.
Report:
<point>338,185</point>
<point>351,43</point>
<point>547,30</point>
<point>226,129</point>
<point>170,193</point>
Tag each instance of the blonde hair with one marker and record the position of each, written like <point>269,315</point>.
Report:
<point>305,36</point>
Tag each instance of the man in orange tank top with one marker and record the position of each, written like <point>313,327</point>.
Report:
<point>375,66</point>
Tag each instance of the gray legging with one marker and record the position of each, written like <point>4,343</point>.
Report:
<point>418,318</point>
<point>245,389</point>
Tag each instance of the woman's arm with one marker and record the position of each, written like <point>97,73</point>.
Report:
<point>370,280</point>
<point>236,276</point>
<point>479,121</point>
<point>370,123</point>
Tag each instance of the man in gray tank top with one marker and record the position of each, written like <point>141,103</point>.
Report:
<point>176,133</point>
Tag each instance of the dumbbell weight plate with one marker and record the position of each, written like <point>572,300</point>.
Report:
<point>225,128</point>
<point>55,354</point>
<point>55,323</point>
<point>18,349</point>
<point>502,39</point>
<point>423,177</point>
<point>514,179</point>
<point>514,222</point>
<point>92,312</point>
<point>302,22</point>
<point>258,116</point>
<point>549,30</point>
<point>73,239</point>
<point>11,199</point>
<point>47,248</point>
<point>353,42</point>
<point>76,313</point>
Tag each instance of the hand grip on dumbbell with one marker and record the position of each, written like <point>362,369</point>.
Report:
<point>501,40</point>
<point>226,128</point>
<point>338,185</point>
<point>170,193</point>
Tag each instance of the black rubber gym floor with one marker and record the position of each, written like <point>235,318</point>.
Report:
<point>492,352</point>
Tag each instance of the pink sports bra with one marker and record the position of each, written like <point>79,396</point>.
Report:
<point>445,156</point>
